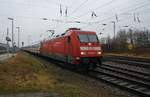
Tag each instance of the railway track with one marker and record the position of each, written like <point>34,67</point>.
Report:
<point>145,63</point>
<point>131,85</point>
<point>133,81</point>
<point>132,73</point>
<point>128,58</point>
<point>135,77</point>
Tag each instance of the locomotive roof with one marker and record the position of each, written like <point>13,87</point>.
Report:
<point>78,31</point>
<point>70,31</point>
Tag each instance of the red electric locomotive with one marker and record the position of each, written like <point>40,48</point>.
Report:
<point>79,48</point>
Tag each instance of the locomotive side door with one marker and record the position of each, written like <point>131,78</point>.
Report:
<point>68,49</point>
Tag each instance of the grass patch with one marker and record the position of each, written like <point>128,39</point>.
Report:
<point>25,73</point>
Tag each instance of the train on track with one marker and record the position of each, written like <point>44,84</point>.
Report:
<point>77,48</point>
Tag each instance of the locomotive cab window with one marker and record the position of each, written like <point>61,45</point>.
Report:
<point>83,38</point>
<point>92,38</point>
<point>87,38</point>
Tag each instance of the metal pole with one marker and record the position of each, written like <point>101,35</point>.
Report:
<point>146,31</point>
<point>13,36</point>
<point>114,28</point>
<point>13,50</point>
<point>7,42</point>
<point>147,36</point>
<point>18,35</point>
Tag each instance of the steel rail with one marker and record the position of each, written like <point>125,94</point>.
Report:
<point>132,63</point>
<point>127,70</point>
<point>126,74</point>
<point>145,60</point>
<point>130,85</point>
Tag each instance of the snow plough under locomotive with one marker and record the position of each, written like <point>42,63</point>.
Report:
<point>77,48</point>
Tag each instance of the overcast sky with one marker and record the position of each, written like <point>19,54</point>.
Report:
<point>28,14</point>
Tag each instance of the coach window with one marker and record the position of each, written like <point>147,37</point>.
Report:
<point>69,39</point>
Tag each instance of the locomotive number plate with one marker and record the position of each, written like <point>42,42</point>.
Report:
<point>90,48</point>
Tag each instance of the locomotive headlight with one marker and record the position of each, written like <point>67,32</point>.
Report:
<point>99,53</point>
<point>83,53</point>
<point>77,58</point>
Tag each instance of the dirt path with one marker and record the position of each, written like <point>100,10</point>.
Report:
<point>5,56</point>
